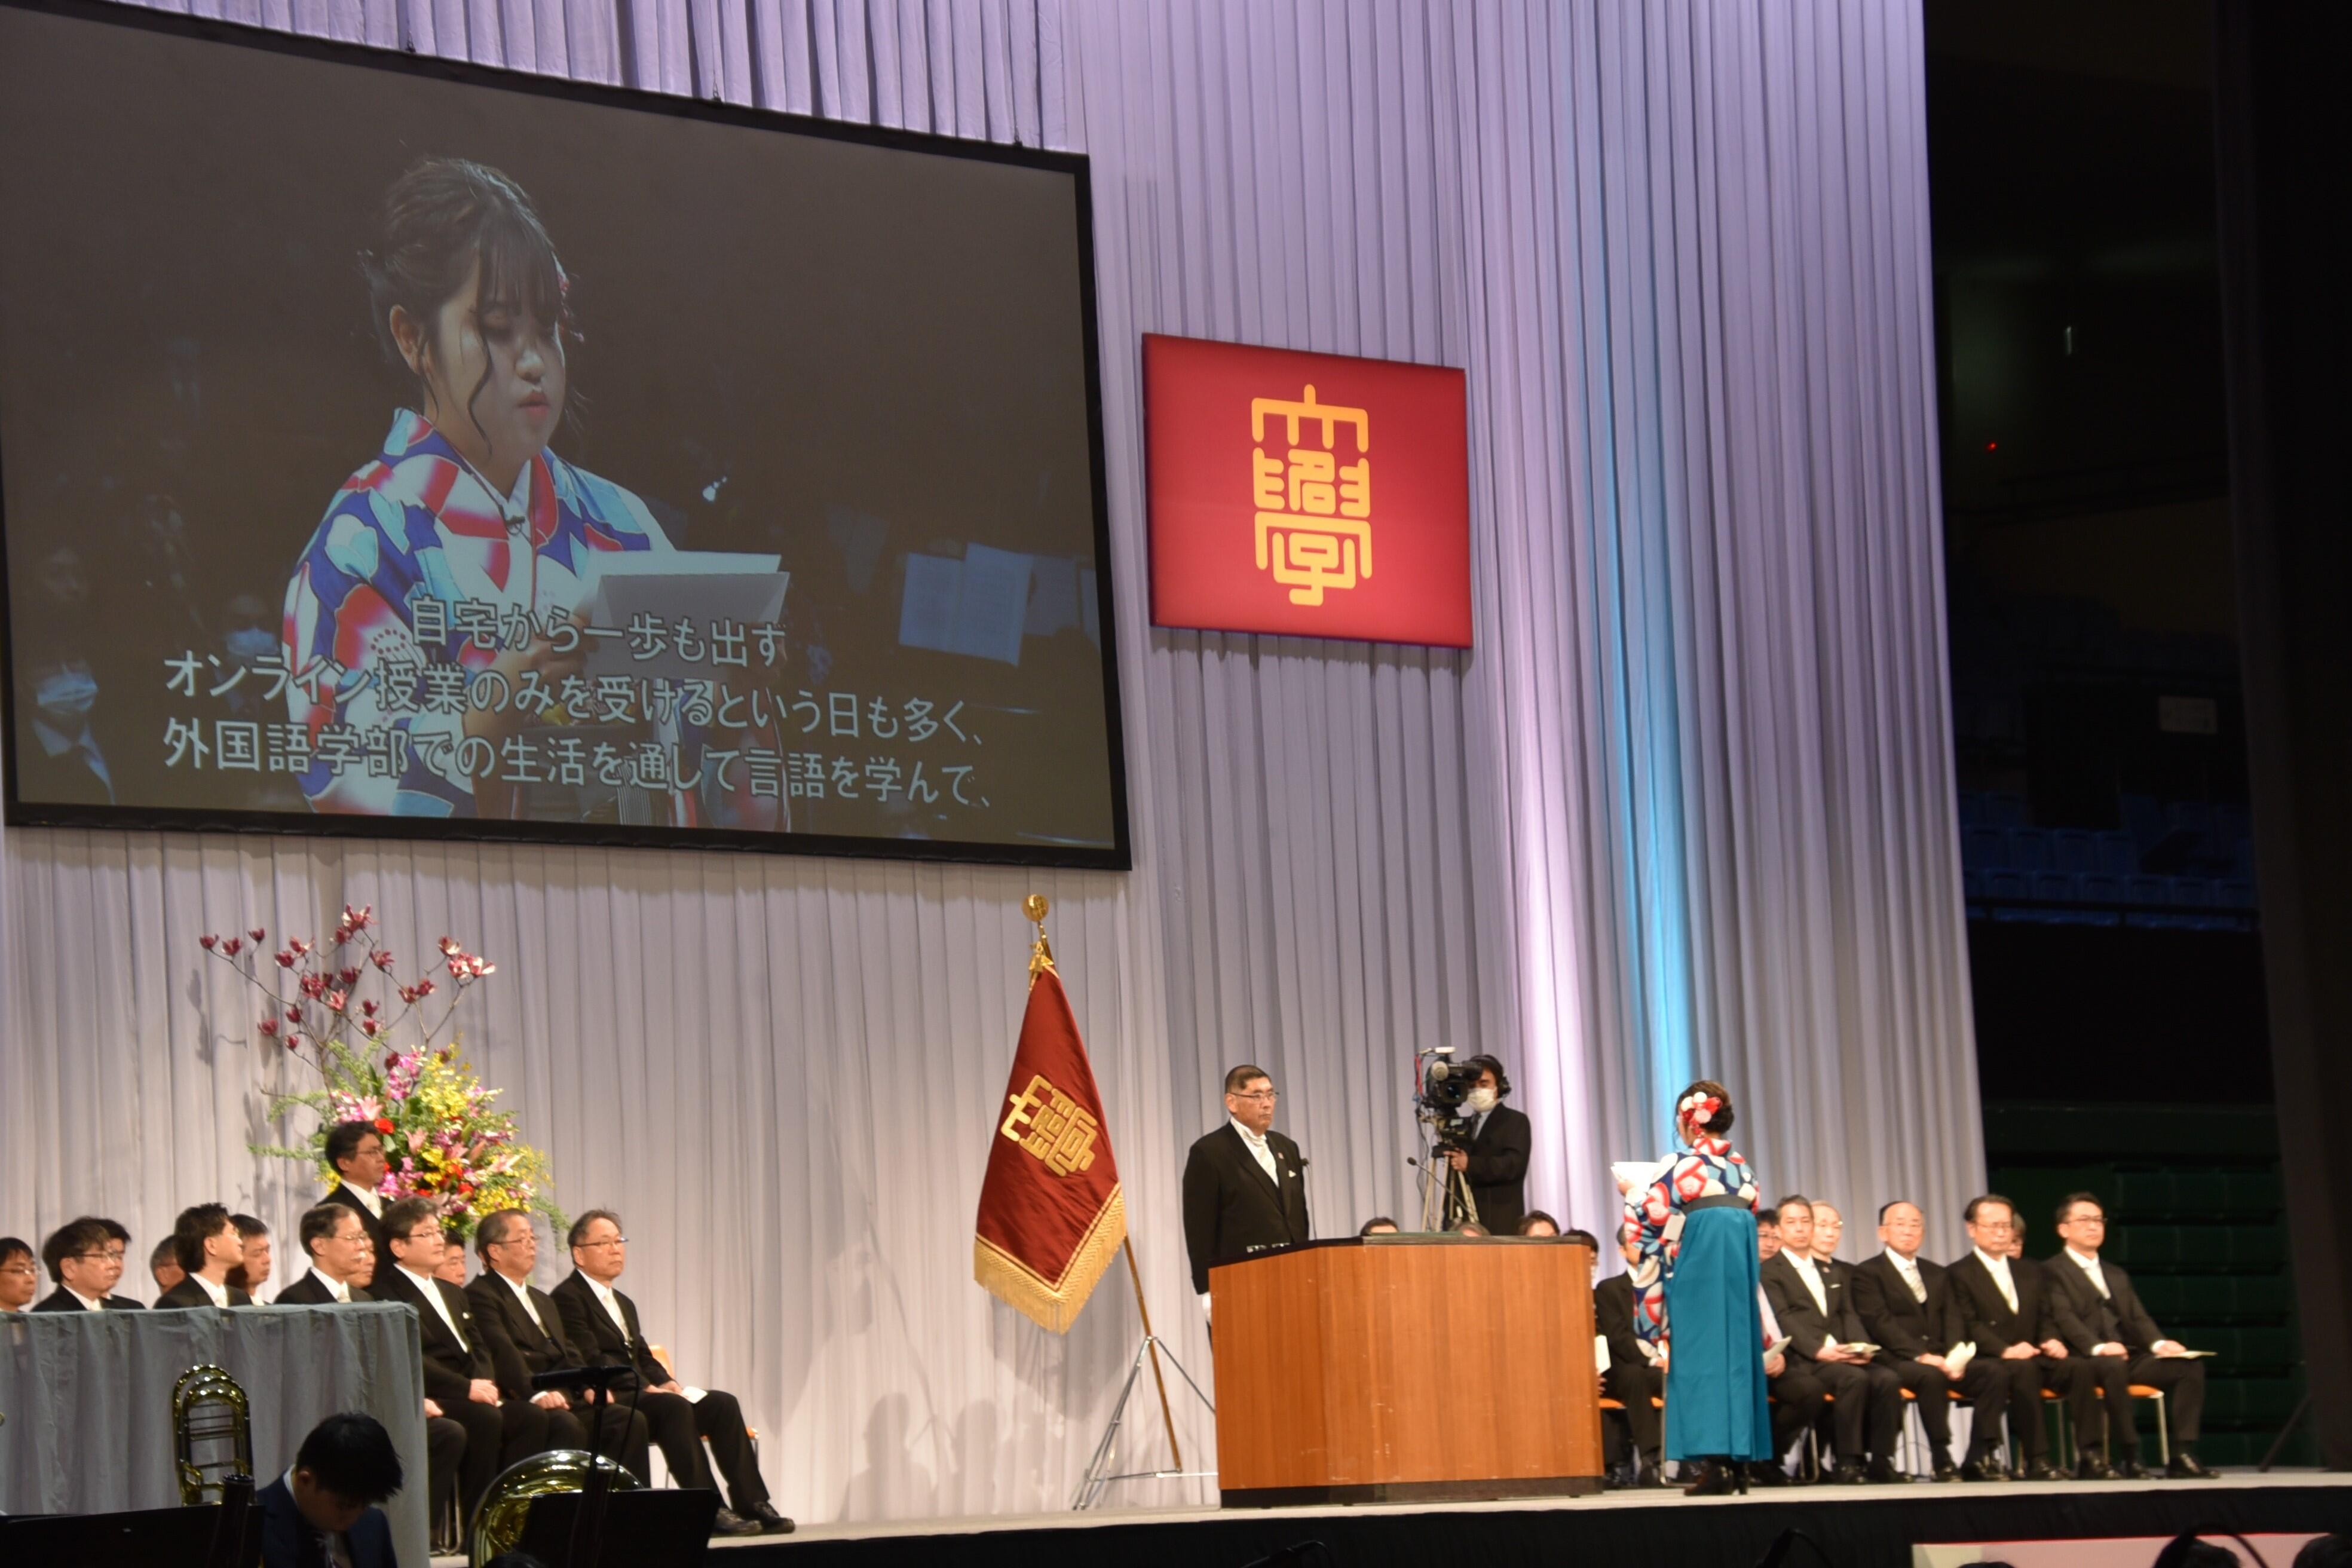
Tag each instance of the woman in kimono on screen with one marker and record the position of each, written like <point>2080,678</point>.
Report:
<point>462,517</point>
<point>1694,1294</point>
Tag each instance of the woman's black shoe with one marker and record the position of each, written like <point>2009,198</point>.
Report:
<point>1714,1480</point>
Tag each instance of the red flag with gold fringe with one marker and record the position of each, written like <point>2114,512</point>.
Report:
<point>1051,1214</point>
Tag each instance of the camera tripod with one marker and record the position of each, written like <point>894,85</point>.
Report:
<point>1446,1197</point>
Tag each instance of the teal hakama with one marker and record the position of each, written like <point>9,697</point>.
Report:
<point>1717,1393</point>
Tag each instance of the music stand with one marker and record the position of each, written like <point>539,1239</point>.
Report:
<point>150,1538</point>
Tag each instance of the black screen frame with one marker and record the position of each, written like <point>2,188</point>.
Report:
<point>1118,856</point>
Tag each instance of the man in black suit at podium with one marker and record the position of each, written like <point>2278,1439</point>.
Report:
<point>1245,1184</point>
<point>1495,1143</point>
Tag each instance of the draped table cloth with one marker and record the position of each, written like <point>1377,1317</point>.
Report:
<point>88,1399</point>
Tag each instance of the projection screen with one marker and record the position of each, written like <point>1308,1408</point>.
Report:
<point>394,447</point>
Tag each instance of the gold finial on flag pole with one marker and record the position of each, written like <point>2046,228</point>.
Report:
<point>1041,956</point>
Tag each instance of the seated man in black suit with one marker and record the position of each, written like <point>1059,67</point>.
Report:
<point>253,1269</point>
<point>1997,1303</point>
<point>85,1256</point>
<point>322,1513</point>
<point>1245,1184</point>
<point>525,1329</point>
<point>1494,1142</point>
<point>355,1149</point>
<point>601,1324</point>
<point>1798,1396</point>
<point>1810,1305</point>
<point>458,1374</point>
<point>2100,1318</point>
<point>20,1274</point>
<point>163,1265</point>
<point>340,1262</point>
<point>1635,1375</point>
<point>208,1246</point>
<point>1906,1311</point>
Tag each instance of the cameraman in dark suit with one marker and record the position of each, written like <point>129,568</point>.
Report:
<point>1489,1144</point>
<point>1245,1184</point>
<point>1808,1302</point>
<point>2100,1318</point>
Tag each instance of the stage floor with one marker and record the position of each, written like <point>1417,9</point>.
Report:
<point>1857,1527</point>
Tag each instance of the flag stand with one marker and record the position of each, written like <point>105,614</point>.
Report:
<point>1098,1477</point>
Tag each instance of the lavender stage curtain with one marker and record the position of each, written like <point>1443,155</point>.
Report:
<point>1686,808</point>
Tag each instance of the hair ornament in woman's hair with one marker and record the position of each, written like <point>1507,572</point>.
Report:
<point>1699,1108</point>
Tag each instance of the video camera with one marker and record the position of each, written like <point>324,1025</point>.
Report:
<point>1444,1085</point>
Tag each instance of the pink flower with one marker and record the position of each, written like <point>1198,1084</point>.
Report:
<point>233,946</point>
<point>349,976</point>
<point>456,969</point>
<point>337,1001</point>
<point>449,946</point>
<point>425,986</point>
<point>206,942</point>
<point>369,1026</point>
<point>259,935</point>
<point>314,986</point>
<point>382,959</point>
<point>300,948</point>
<point>269,1026</point>
<point>285,958</point>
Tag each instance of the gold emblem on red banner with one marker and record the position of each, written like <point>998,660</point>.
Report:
<point>1314,511</point>
<point>1060,1130</point>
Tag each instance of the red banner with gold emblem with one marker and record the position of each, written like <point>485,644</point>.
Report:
<point>1310,495</point>
<point>1051,1214</point>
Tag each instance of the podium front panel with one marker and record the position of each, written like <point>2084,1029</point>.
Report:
<point>1406,1368</point>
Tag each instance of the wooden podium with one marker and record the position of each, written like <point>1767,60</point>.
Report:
<point>1404,1368</point>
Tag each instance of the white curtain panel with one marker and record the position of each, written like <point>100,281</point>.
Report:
<point>1686,809</point>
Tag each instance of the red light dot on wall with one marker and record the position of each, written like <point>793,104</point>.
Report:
<point>1992,445</point>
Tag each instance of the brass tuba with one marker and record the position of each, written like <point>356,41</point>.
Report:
<point>499,1517</point>
<point>209,1412</point>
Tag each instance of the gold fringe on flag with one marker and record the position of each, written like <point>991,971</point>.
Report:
<point>1053,1304</point>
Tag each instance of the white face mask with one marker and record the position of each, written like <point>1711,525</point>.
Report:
<point>1480,1101</point>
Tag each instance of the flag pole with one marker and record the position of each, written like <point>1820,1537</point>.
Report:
<point>1151,1341</point>
<point>1040,958</point>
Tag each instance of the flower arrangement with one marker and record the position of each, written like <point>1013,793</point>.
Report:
<point>445,1136</point>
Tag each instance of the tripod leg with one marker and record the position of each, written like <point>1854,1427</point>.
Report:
<point>1091,1484</point>
<point>2301,1407</point>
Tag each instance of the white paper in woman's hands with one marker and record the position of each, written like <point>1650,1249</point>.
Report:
<point>1639,1175</point>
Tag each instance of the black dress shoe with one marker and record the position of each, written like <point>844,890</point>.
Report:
<point>770,1522</point>
<point>2041,1470</point>
<point>1985,1467</point>
<point>1715,1478</point>
<point>1767,1473</point>
<point>2184,1468</point>
<point>2129,1469</point>
<point>1946,1471</point>
<point>2094,1467</point>
<point>727,1521</point>
<point>1650,1476</point>
<point>1849,1473</point>
<point>1618,1479</point>
<point>1883,1473</point>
